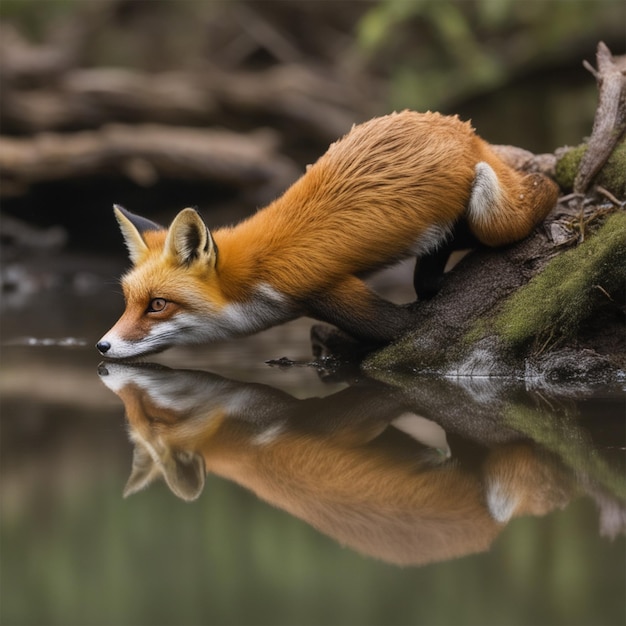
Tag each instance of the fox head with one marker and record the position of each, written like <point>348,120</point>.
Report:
<point>163,419</point>
<point>170,291</point>
<point>174,292</point>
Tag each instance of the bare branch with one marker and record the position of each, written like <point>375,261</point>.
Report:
<point>145,153</point>
<point>610,120</point>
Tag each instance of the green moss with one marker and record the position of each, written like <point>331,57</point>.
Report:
<point>611,177</point>
<point>480,328</point>
<point>613,174</point>
<point>569,289</point>
<point>567,167</point>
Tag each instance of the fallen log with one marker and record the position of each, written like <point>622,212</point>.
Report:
<point>46,86</point>
<point>146,153</point>
<point>317,105</point>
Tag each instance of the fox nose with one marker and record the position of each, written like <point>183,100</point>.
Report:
<point>103,346</point>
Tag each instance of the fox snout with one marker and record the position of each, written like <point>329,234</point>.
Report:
<point>129,338</point>
<point>103,347</point>
<point>114,347</point>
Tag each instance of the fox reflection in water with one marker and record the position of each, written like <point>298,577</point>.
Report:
<point>356,465</point>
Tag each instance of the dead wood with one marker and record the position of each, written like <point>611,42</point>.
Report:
<point>315,104</point>
<point>145,153</point>
<point>89,98</point>
<point>304,102</point>
<point>610,120</point>
<point>25,64</point>
<point>526,161</point>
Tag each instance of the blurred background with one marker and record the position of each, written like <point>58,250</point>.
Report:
<point>96,96</point>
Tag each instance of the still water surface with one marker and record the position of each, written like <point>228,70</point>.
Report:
<point>259,495</point>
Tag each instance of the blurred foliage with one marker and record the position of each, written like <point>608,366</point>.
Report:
<point>513,66</point>
<point>432,51</point>
<point>34,16</point>
<point>458,48</point>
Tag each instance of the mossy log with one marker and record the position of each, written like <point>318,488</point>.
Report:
<point>531,312</point>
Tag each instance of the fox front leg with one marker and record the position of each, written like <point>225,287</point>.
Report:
<point>355,309</point>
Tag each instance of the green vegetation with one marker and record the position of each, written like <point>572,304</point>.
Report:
<point>567,166</point>
<point>569,289</point>
<point>439,51</point>
<point>612,176</point>
<point>35,16</point>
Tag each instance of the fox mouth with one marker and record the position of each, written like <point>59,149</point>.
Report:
<point>139,357</point>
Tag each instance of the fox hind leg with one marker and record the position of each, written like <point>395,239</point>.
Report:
<point>429,269</point>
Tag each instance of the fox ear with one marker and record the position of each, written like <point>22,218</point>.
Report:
<point>132,227</point>
<point>188,239</point>
<point>185,474</point>
<point>144,471</point>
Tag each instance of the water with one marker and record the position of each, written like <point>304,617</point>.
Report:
<point>397,501</point>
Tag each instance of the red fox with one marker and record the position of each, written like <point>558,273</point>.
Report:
<point>393,187</point>
<point>358,465</point>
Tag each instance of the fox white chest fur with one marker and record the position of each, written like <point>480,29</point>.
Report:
<point>394,187</point>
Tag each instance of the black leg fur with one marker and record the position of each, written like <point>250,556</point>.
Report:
<point>428,273</point>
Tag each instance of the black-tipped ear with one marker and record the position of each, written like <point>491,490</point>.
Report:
<point>142,224</point>
<point>133,227</point>
<point>189,240</point>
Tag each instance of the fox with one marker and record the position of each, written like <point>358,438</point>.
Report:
<point>394,187</point>
<point>358,465</point>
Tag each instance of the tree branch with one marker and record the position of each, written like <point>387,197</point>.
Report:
<point>145,153</point>
<point>610,120</point>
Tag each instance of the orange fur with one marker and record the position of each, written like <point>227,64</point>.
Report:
<point>364,203</point>
<point>359,208</point>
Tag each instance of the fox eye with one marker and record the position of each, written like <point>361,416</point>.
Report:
<point>156,305</point>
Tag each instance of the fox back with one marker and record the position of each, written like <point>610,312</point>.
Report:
<point>394,187</point>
